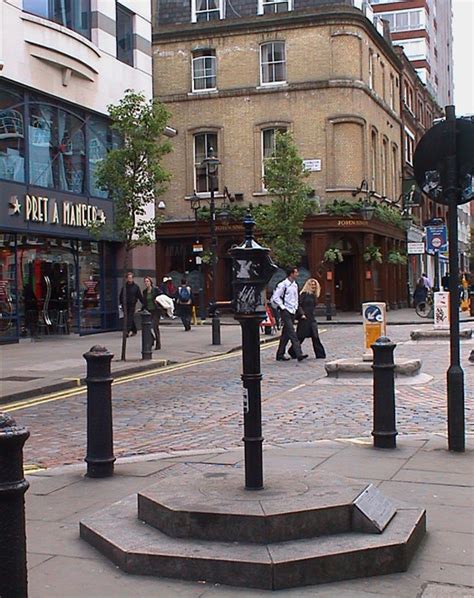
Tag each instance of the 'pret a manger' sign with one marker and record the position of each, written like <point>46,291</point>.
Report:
<point>53,211</point>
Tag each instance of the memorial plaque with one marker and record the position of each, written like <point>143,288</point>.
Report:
<point>372,511</point>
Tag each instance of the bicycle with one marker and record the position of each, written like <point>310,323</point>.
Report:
<point>425,309</point>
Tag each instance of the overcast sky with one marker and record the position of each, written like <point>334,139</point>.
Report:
<point>463,33</point>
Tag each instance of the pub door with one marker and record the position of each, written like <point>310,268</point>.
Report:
<point>347,296</point>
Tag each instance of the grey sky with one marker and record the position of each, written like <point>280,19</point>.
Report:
<point>463,49</point>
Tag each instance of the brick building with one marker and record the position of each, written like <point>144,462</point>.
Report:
<point>232,74</point>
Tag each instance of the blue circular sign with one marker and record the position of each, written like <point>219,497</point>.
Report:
<point>373,314</point>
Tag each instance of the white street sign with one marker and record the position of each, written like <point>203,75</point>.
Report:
<point>312,165</point>
<point>415,248</point>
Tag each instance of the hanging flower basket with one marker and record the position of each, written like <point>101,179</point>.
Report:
<point>396,258</point>
<point>333,255</point>
<point>372,253</point>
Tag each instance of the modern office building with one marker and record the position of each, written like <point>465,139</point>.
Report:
<point>61,64</point>
<point>233,73</point>
<point>424,29</point>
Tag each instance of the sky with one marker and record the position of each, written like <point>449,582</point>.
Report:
<point>463,56</point>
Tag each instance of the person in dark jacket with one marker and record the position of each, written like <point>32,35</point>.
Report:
<point>150,293</point>
<point>184,300</point>
<point>129,302</point>
<point>307,325</point>
<point>421,292</point>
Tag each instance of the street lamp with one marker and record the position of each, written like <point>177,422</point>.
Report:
<point>367,209</point>
<point>196,206</point>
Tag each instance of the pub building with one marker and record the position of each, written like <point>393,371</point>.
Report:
<point>56,275</point>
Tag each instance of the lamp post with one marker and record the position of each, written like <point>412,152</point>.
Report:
<point>195,206</point>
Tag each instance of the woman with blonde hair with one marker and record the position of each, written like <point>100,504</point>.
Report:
<point>307,325</point>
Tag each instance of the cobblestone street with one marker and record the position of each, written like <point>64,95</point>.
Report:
<point>199,406</point>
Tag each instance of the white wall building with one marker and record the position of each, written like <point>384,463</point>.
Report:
<point>61,64</point>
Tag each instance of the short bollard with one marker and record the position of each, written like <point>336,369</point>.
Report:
<point>13,575</point>
<point>384,431</point>
<point>328,307</point>
<point>147,339</point>
<point>100,450</point>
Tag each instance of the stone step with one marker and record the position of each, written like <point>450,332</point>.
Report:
<point>350,367</point>
<point>140,549</point>
<point>219,508</point>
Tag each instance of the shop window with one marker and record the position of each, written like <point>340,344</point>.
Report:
<point>124,35</point>
<point>274,6</point>
<point>204,70</point>
<point>203,142</point>
<point>8,290</point>
<point>272,63</point>
<point>207,10</point>
<point>73,14</point>
<point>56,148</point>
<point>268,147</point>
<point>12,136</point>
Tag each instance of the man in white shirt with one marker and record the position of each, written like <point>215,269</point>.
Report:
<point>286,298</point>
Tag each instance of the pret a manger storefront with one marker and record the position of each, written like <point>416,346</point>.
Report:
<point>56,277</point>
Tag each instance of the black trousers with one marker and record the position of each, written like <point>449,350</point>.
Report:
<point>155,323</point>
<point>288,334</point>
<point>131,326</point>
<point>318,348</point>
<point>185,313</point>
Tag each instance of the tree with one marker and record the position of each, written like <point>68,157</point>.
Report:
<point>133,175</point>
<point>281,223</point>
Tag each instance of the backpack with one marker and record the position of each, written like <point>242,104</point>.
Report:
<point>184,294</point>
<point>272,301</point>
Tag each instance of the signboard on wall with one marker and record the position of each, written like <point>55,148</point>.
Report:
<point>415,248</point>
<point>312,165</point>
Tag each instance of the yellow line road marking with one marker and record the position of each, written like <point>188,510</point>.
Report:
<point>67,394</point>
<point>32,468</point>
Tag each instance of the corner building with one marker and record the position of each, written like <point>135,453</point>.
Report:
<point>319,69</point>
<point>61,65</point>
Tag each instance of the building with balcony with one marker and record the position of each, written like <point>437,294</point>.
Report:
<point>424,29</point>
<point>61,64</point>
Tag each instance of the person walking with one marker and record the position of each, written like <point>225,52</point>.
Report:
<point>285,297</point>
<point>128,301</point>
<point>184,300</point>
<point>307,326</point>
<point>150,293</point>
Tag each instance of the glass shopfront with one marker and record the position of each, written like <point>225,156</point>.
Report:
<point>55,286</point>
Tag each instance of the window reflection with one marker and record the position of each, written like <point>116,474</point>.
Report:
<point>57,149</point>
<point>73,14</point>
<point>12,139</point>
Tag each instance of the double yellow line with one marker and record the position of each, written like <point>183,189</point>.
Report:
<point>74,392</point>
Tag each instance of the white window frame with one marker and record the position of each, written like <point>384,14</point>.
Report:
<point>392,18</point>
<point>194,78</point>
<point>265,159</point>
<point>195,12</point>
<point>270,83</point>
<point>263,3</point>
<point>371,68</point>
<point>409,146</point>
<point>197,164</point>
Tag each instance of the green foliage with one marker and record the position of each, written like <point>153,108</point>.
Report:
<point>234,213</point>
<point>333,255</point>
<point>281,223</point>
<point>396,258</point>
<point>132,173</point>
<point>341,207</point>
<point>372,253</point>
<point>388,214</point>
<point>206,256</point>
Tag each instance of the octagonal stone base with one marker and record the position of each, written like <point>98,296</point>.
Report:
<point>418,335</point>
<point>348,368</point>
<point>293,533</point>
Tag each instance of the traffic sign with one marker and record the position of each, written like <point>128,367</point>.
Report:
<point>436,238</point>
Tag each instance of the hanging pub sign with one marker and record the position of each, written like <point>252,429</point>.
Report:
<point>429,160</point>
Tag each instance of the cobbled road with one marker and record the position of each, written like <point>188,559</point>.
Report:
<point>199,407</point>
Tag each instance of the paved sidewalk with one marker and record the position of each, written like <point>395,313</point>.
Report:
<point>420,472</point>
<point>30,368</point>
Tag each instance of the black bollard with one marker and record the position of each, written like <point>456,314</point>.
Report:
<point>384,431</point>
<point>147,338</point>
<point>252,269</point>
<point>328,307</point>
<point>100,450</point>
<point>13,573</point>
<point>216,328</point>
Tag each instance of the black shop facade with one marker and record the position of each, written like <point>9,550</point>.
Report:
<point>56,276</point>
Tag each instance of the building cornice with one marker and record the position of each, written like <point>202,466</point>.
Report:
<point>345,15</point>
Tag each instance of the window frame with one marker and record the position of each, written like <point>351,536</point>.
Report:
<point>51,16</point>
<point>263,3</point>
<point>196,165</point>
<point>211,55</point>
<point>409,139</point>
<point>124,11</point>
<point>195,12</point>
<point>264,159</point>
<point>272,63</point>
